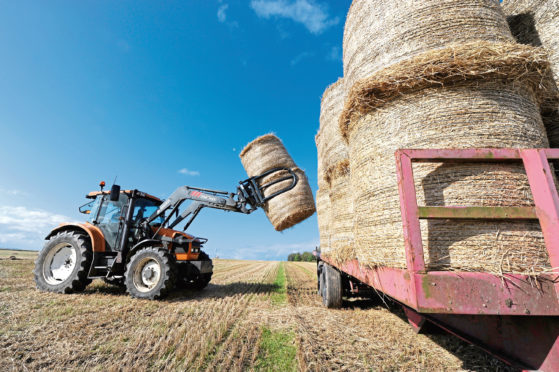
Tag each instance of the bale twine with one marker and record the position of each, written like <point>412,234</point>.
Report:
<point>444,100</point>
<point>382,32</point>
<point>291,207</point>
<point>333,148</point>
<point>323,216</point>
<point>341,212</point>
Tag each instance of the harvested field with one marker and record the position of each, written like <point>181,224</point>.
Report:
<point>254,315</point>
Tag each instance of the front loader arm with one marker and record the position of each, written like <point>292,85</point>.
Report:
<point>249,196</point>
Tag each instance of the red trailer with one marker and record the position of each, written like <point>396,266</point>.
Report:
<point>514,317</point>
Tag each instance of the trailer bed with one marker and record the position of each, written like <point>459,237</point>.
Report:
<point>514,317</point>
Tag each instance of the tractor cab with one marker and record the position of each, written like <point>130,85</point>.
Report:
<point>108,212</point>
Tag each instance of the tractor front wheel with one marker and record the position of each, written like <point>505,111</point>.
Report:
<point>62,265</point>
<point>150,274</point>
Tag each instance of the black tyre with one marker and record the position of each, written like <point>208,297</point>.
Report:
<point>319,278</point>
<point>117,282</point>
<point>190,277</point>
<point>332,287</point>
<point>151,273</point>
<point>63,264</point>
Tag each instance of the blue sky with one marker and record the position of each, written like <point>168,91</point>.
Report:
<point>160,94</point>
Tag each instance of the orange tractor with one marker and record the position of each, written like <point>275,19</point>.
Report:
<point>129,239</point>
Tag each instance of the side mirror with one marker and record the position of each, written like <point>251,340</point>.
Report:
<point>115,193</point>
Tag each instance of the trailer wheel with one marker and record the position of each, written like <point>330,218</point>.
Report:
<point>62,265</point>
<point>319,267</point>
<point>150,274</point>
<point>332,287</point>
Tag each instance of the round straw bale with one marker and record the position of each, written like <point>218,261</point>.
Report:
<point>536,22</point>
<point>333,147</point>
<point>381,32</point>
<point>290,208</point>
<point>477,61</point>
<point>498,114</point>
<point>320,170</point>
<point>341,212</point>
<point>264,153</point>
<point>323,211</point>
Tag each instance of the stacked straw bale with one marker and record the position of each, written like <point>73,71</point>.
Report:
<point>334,175</point>
<point>536,23</point>
<point>476,94</point>
<point>342,219</point>
<point>290,208</point>
<point>323,216</point>
<point>322,198</point>
<point>333,148</point>
<point>382,32</point>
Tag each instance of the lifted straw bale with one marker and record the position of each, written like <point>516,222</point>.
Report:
<point>290,208</point>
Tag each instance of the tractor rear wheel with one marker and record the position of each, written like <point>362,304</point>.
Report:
<point>151,273</point>
<point>63,264</point>
<point>332,287</point>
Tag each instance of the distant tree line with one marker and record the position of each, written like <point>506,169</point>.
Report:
<point>305,256</point>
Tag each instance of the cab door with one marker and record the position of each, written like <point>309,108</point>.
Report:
<point>110,220</point>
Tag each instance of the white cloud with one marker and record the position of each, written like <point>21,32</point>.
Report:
<point>300,57</point>
<point>221,15</point>
<point>189,172</point>
<point>335,54</point>
<point>21,227</point>
<point>312,15</point>
<point>12,192</point>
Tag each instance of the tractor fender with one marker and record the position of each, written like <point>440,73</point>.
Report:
<point>142,244</point>
<point>95,234</point>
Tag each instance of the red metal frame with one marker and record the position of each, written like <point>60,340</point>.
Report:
<point>509,310</point>
<point>430,289</point>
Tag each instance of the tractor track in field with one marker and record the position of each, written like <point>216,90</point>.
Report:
<point>194,331</point>
<point>220,328</point>
<point>365,335</point>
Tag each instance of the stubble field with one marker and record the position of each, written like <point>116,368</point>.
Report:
<point>254,315</point>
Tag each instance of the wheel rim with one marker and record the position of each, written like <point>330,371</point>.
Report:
<point>59,264</point>
<point>147,274</point>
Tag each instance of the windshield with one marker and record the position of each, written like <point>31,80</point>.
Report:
<point>105,211</point>
<point>143,208</point>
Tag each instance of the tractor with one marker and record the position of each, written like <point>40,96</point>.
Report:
<point>129,239</point>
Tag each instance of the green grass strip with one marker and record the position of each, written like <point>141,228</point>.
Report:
<point>279,296</point>
<point>277,351</point>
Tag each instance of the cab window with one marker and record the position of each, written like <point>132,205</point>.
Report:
<point>110,212</point>
<point>143,208</point>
